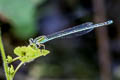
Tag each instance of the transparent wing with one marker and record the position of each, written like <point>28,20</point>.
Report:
<point>77,34</point>
<point>71,31</point>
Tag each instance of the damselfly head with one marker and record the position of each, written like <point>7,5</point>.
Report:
<point>31,40</point>
<point>36,43</point>
<point>32,43</point>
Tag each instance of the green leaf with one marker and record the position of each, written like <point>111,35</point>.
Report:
<point>21,14</point>
<point>9,59</point>
<point>27,53</point>
<point>12,70</point>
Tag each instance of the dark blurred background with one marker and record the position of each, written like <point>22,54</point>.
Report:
<point>94,56</point>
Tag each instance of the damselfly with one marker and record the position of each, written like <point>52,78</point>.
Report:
<point>82,29</point>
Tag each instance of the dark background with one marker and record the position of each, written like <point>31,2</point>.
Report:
<point>94,56</point>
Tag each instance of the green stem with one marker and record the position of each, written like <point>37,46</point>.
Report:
<point>4,59</point>
<point>15,59</point>
<point>18,67</point>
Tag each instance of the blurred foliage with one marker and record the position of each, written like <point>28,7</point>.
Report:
<point>21,15</point>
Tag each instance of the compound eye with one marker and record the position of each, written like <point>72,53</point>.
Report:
<point>31,40</point>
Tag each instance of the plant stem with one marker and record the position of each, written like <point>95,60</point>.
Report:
<point>4,59</point>
<point>18,67</point>
<point>15,59</point>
